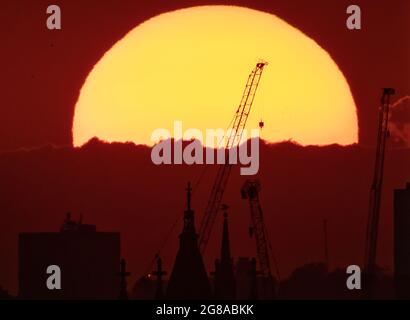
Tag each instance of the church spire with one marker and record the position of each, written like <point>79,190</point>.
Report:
<point>188,195</point>
<point>123,282</point>
<point>159,294</point>
<point>225,283</point>
<point>189,279</point>
<point>189,223</point>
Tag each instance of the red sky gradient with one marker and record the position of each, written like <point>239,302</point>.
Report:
<point>119,189</point>
<point>43,70</point>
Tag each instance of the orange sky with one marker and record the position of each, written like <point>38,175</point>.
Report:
<point>191,65</point>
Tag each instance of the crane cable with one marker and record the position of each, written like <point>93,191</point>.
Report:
<point>275,261</point>
<point>401,100</point>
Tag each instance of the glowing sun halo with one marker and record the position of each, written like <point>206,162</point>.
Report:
<point>192,65</point>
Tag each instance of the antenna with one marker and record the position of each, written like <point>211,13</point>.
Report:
<point>326,249</point>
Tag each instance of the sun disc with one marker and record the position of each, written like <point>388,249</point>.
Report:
<point>191,65</point>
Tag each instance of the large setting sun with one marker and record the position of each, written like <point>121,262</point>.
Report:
<point>191,65</point>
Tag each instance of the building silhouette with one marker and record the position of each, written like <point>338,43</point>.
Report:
<point>88,261</point>
<point>224,277</point>
<point>402,242</point>
<point>189,279</point>
<point>4,295</point>
<point>159,273</point>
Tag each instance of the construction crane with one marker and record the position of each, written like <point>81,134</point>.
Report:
<point>250,190</point>
<point>234,138</point>
<point>376,187</point>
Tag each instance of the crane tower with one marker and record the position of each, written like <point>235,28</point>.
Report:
<point>376,188</point>
<point>250,190</point>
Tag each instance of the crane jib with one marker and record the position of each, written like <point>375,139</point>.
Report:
<point>224,170</point>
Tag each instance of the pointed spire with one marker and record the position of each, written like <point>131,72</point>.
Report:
<point>159,294</point>
<point>123,282</point>
<point>189,279</point>
<point>225,283</point>
<point>189,223</point>
<point>189,195</point>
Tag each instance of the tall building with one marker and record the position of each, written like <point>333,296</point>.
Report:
<point>189,279</point>
<point>224,280</point>
<point>402,242</point>
<point>88,262</point>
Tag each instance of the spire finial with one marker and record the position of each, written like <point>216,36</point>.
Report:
<point>225,208</point>
<point>189,194</point>
<point>123,280</point>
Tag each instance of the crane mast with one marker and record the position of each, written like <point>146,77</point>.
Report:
<point>250,190</point>
<point>376,188</point>
<point>234,137</point>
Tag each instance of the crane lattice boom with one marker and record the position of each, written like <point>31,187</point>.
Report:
<point>234,138</point>
<point>376,188</point>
